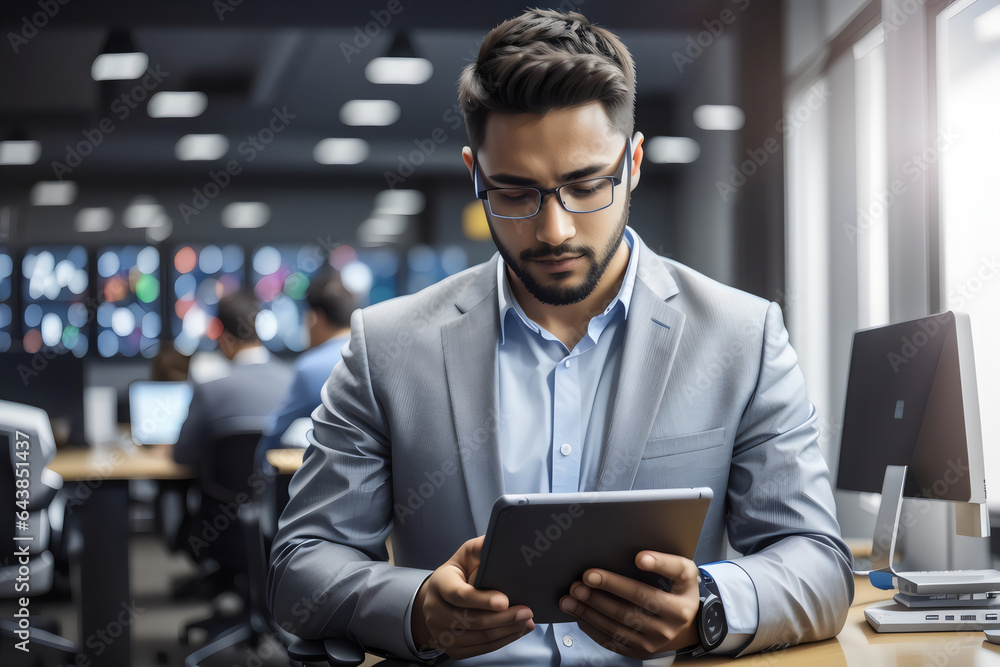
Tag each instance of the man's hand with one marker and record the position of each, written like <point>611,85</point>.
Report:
<point>635,619</point>
<point>450,614</point>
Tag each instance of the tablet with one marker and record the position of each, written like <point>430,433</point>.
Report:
<point>537,545</point>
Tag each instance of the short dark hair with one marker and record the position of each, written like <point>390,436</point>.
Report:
<point>544,60</point>
<point>327,294</point>
<point>238,313</point>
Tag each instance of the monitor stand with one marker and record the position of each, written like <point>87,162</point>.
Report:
<point>962,600</point>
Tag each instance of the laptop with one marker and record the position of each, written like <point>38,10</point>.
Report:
<point>157,410</point>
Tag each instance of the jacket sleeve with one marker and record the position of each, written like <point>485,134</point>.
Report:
<point>330,574</point>
<point>782,514</point>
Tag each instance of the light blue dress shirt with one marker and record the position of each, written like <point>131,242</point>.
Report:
<point>554,405</point>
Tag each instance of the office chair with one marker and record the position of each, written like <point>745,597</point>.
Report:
<point>224,483</point>
<point>335,652</point>
<point>226,476</point>
<point>26,447</point>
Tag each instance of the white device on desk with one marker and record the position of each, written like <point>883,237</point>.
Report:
<point>891,616</point>
<point>912,422</point>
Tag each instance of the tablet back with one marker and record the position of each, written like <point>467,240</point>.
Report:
<point>537,545</point>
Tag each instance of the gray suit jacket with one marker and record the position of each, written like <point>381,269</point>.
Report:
<point>244,398</point>
<point>710,394</point>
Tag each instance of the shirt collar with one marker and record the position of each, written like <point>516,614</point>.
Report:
<point>256,354</point>
<point>508,302</point>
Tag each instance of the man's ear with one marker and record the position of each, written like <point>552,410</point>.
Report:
<point>470,161</point>
<point>226,344</point>
<point>636,158</point>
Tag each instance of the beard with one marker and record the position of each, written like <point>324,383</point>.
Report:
<point>557,294</point>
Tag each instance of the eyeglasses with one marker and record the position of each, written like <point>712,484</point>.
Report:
<point>586,196</point>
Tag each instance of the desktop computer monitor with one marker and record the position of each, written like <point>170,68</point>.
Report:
<point>157,411</point>
<point>52,382</point>
<point>912,400</point>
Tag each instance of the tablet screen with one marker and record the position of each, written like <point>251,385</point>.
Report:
<point>537,545</point>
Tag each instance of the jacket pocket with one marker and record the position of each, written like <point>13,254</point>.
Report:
<point>682,444</point>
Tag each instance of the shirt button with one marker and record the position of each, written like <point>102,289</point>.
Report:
<point>567,363</point>
<point>565,449</point>
<point>567,641</point>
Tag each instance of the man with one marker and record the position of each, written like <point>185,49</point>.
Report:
<point>328,321</point>
<point>246,396</point>
<point>570,361</point>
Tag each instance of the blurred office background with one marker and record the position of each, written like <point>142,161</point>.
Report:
<point>835,156</point>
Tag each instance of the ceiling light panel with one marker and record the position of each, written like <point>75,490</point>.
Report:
<point>53,193</point>
<point>405,71</point>
<point>97,219</point>
<point>201,147</point>
<point>676,150</point>
<point>341,151</point>
<point>20,152</point>
<point>170,104</point>
<point>369,113</point>
<point>119,66</point>
<point>245,215</point>
<point>718,117</point>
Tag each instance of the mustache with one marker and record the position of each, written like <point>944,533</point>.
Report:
<point>555,251</point>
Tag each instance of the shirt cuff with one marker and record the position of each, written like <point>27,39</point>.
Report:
<point>408,634</point>
<point>739,599</point>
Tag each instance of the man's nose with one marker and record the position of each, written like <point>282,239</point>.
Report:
<point>553,223</point>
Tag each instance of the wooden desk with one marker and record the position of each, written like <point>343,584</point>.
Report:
<point>286,461</point>
<point>858,645</point>
<point>122,464</point>
<point>97,497</point>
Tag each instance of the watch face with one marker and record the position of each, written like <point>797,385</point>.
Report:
<point>713,622</point>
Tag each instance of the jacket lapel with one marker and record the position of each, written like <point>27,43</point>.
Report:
<point>469,344</point>
<point>652,335</point>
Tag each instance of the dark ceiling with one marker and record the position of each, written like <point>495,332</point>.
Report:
<point>254,57</point>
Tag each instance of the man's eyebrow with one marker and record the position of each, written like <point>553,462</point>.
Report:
<point>574,175</point>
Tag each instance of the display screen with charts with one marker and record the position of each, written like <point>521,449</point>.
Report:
<point>157,411</point>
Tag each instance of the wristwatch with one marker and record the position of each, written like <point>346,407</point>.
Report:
<point>712,626</point>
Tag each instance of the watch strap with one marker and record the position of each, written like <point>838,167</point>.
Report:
<point>711,614</point>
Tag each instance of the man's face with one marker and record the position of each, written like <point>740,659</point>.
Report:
<point>559,257</point>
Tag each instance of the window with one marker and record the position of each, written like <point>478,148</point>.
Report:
<point>966,149</point>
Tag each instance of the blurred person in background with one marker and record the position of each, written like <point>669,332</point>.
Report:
<point>169,364</point>
<point>328,321</point>
<point>253,389</point>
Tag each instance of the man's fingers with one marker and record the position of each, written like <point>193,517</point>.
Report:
<point>609,612</point>
<point>613,642</point>
<point>678,575</point>
<point>462,619</point>
<point>675,570</point>
<point>457,592</point>
<point>626,588</point>
<point>462,633</point>
<point>453,615</point>
<point>631,617</point>
<point>473,548</point>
